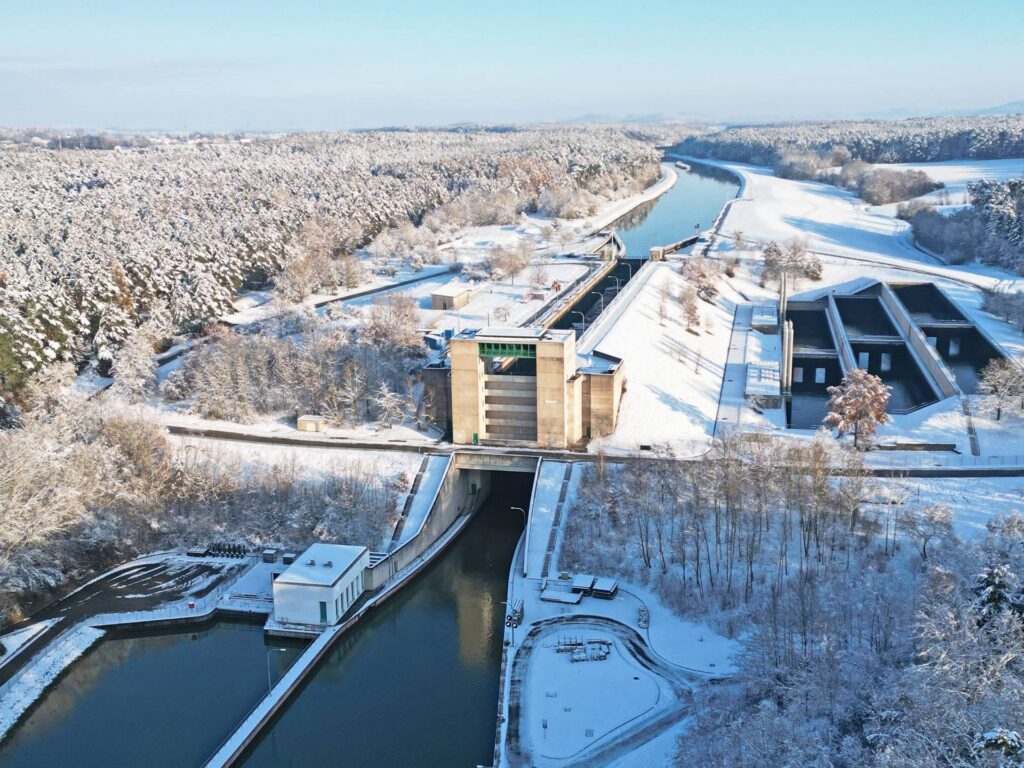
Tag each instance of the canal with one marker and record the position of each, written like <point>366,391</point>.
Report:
<point>416,682</point>
<point>151,699</point>
<point>690,206</point>
<point>697,197</point>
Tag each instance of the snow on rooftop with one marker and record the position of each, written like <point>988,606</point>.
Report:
<point>322,564</point>
<point>452,289</point>
<point>512,333</point>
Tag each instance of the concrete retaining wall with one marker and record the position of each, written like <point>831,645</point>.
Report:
<point>454,497</point>
<point>926,354</point>
<point>835,323</point>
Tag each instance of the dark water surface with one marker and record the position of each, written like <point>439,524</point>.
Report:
<point>157,699</point>
<point>415,683</point>
<point>697,197</point>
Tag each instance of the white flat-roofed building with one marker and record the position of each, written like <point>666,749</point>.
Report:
<point>321,585</point>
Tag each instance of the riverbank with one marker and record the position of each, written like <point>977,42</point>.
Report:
<point>642,664</point>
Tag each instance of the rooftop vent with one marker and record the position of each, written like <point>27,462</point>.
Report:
<point>328,564</point>
<point>311,562</point>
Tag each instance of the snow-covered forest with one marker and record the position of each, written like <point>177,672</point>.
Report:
<point>86,484</point>
<point>990,229</point>
<point>874,141</point>
<point>870,635</point>
<point>94,242</point>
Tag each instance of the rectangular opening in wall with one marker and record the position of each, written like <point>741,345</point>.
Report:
<point>798,375</point>
<point>819,375</point>
<point>864,360</point>
<point>886,362</point>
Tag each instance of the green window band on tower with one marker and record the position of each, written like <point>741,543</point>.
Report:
<point>505,349</point>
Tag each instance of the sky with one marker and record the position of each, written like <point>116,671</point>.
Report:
<point>222,65</point>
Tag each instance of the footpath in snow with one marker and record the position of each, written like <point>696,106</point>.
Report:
<point>547,494</point>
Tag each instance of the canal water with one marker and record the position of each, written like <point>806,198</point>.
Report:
<point>155,699</point>
<point>695,199</point>
<point>416,682</point>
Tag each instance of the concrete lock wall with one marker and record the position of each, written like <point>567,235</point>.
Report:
<point>605,395</point>
<point>552,399</point>
<point>467,391</point>
<point>927,354</point>
<point>454,498</point>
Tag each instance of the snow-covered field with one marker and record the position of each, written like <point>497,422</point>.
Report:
<point>312,461</point>
<point>974,501</point>
<point>673,377</point>
<point>954,175</point>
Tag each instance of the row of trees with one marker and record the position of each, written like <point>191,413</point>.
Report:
<point>874,141</point>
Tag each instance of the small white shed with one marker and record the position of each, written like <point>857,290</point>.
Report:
<point>321,585</point>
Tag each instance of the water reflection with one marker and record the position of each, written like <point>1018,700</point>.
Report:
<point>159,699</point>
<point>417,682</point>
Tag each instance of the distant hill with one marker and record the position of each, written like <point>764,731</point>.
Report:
<point>1009,108</point>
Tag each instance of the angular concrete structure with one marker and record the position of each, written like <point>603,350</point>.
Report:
<point>527,385</point>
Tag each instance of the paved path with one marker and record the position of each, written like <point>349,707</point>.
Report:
<point>730,400</point>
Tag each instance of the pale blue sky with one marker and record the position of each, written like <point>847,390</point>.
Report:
<point>260,65</point>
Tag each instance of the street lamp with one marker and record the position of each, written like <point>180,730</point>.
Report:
<point>584,321</point>
<point>618,284</point>
<point>601,297</point>
<point>627,266</point>
<point>520,509</point>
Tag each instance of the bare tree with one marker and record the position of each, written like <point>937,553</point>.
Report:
<point>691,312</point>
<point>930,523</point>
<point>1002,382</point>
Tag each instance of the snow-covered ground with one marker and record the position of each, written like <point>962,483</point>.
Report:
<point>673,377</point>
<point>954,175</point>
<point>578,703</point>
<point>426,492</point>
<point>313,462</point>
<point>835,222</point>
<point>19,638</point>
<point>974,501</point>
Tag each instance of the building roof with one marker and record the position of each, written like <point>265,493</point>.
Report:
<point>513,332</point>
<point>765,314</point>
<point>340,556</point>
<point>516,334</point>
<point>452,289</point>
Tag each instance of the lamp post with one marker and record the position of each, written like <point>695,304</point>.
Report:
<point>584,318</point>
<point>601,297</point>
<point>618,284</point>
<point>627,266</point>
<point>523,511</point>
